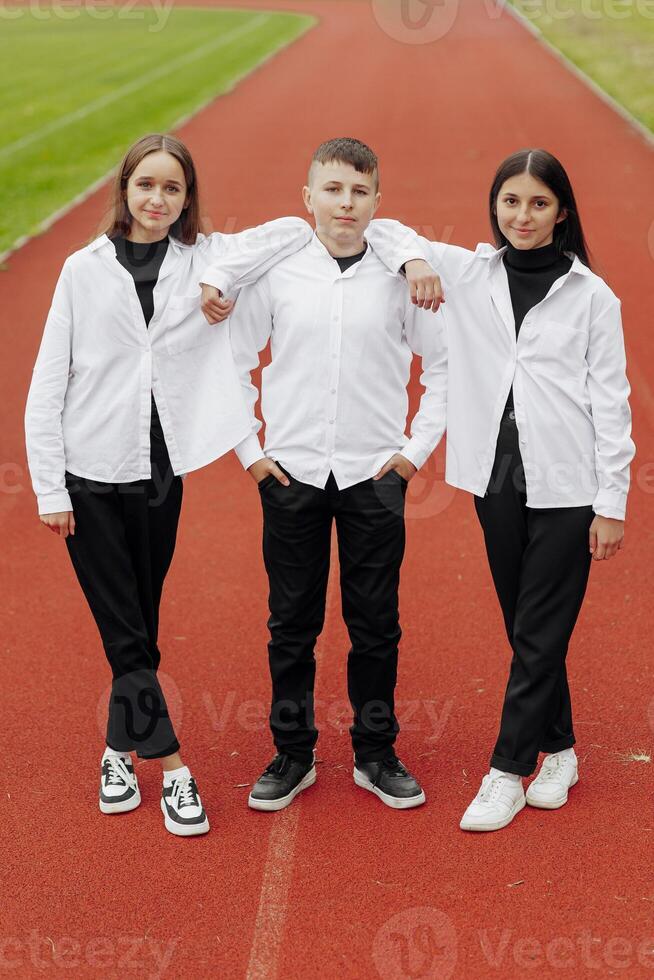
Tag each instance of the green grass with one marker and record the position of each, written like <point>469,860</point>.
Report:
<point>612,41</point>
<point>139,70</point>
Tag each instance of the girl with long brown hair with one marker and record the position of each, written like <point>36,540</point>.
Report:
<point>132,389</point>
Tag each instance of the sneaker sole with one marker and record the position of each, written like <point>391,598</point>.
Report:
<point>498,824</point>
<point>551,804</point>
<point>270,806</point>
<point>395,802</point>
<point>183,830</point>
<point>124,806</point>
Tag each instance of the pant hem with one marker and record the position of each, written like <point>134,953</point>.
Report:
<point>509,765</point>
<point>563,743</point>
<point>161,755</point>
<point>375,756</point>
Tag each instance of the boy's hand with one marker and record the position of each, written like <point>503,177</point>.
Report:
<point>400,463</point>
<point>606,537</point>
<point>267,467</point>
<point>214,306</point>
<point>62,524</point>
<point>424,284</point>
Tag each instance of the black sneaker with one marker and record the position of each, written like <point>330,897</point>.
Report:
<point>390,781</point>
<point>119,789</point>
<point>279,784</point>
<point>182,808</point>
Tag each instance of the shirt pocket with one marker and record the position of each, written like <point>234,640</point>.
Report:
<point>561,344</point>
<point>185,324</point>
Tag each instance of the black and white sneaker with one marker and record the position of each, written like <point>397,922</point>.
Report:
<point>391,782</point>
<point>182,808</point>
<point>119,789</point>
<point>279,784</point>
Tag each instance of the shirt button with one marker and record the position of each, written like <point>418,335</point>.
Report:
<point>331,421</point>
<point>333,391</point>
<point>334,356</point>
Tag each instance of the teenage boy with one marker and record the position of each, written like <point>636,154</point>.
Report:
<point>343,331</point>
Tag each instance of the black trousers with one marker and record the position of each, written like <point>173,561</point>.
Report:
<point>121,551</point>
<point>297,522</point>
<point>540,561</point>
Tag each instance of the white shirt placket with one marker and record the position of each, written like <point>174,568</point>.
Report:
<point>335,338</point>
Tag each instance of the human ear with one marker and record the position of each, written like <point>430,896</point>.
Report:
<point>306,197</point>
<point>561,216</point>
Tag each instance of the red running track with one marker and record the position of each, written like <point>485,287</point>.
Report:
<point>338,886</point>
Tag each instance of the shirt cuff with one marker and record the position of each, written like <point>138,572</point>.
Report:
<point>54,503</point>
<point>415,452</point>
<point>608,503</point>
<point>249,451</point>
<point>214,277</point>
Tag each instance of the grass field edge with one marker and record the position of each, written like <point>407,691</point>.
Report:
<point>641,129</point>
<point>48,222</point>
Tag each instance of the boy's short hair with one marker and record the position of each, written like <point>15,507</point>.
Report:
<point>345,149</point>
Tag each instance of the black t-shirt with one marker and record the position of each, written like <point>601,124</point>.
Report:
<point>143,262</point>
<point>345,261</point>
<point>531,274</point>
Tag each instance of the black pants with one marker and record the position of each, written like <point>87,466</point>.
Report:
<point>297,522</point>
<point>121,551</point>
<point>540,562</point>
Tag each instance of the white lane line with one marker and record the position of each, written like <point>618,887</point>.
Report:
<point>273,903</point>
<point>119,93</point>
<point>278,869</point>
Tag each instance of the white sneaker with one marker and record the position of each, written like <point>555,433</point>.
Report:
<point>119,789</point>
<point>182,808</point>
<point>495,805</point>
<point>549,790</point>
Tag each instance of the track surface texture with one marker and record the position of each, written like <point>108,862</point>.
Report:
<point>339,886</point>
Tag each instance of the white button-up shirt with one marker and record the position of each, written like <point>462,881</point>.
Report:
<point>88,409</point>
<point>334,396</point>
<point>567,368</point>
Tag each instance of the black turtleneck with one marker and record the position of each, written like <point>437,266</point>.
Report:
<point>531,273</point>
<point>143,262</point>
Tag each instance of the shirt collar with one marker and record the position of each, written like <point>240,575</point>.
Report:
<point>318,248</point>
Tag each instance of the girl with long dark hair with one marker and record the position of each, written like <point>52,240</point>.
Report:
<point>538,429</point>
<point>132,389</point>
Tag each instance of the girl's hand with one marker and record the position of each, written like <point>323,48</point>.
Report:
<point>606,537</point>
<point>62,524</point>
<point>267,467</point>
<point>214,306</point>
<point>404,467</point>
<point>424,284</point>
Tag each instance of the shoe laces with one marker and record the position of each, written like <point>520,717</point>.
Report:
<point>278,765</point>
<point>185,792</point>
<point>394,767</point>
<point>116,772</point>
<point>551,767</point>
<point>491,787</point>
